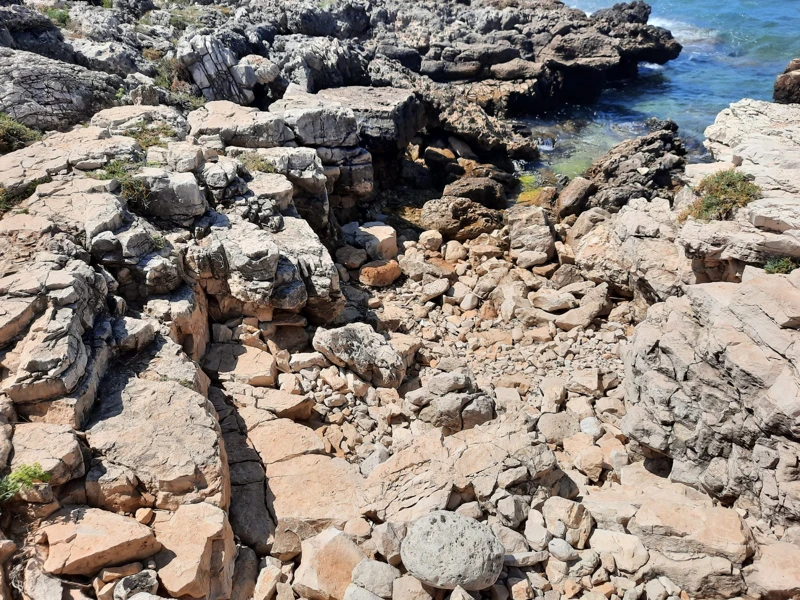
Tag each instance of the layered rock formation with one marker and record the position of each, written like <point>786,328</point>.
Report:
<point>225,375</point>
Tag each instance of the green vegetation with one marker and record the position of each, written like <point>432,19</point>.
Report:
<point>168,73</point>
<point>256,162</point>
<point>14,135</point>
<point>108,3</point>
<point>158,241</point>
<point>189,101</point>
<point>24,476</point>
<point>720,195</point>
<point>182,18</point>
<point>152,54</point>
<point>132,190</point>
<point>151,136</point>
<point>172,75</point>
<point>783,265</point>
<point>59,16</point>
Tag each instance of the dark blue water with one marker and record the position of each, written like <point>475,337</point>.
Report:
<point>733,49</point>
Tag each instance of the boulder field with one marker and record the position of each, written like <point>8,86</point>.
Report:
<point>273,328</point>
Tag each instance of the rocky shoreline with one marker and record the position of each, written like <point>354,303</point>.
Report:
<point>228,373</point>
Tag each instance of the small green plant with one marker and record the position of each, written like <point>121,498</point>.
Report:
<point>188,101</point>
<point>108,3</point>
<point>120,93</point>
<point>256,162</point>
<point>158,241</point>
<point>133,190</point>
<point>182,18</point>
<point>780,265</point>
<point>59,16</point>
<point>720,195</point>
<point>151,136</point>
<point>14,135</point>
<point>24,476</point>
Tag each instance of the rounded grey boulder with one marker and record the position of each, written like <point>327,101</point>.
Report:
<point>445,550</point>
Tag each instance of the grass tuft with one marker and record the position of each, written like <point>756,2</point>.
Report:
<point>255,162</point>
<point>148,136</point>
<point>782,265</point>
<point>720,195</point>
<point>59,16</point>
<point>14,135</point>
<point>24,476</point>
<point>133,190</point>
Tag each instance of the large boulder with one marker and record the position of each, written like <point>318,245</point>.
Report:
<point>73,95</point>
<point>445,550</point>
<point>82,540</point>
<point>366,352</point>
<point>239,126</point>
<point>328,559</point>
<point>387,118</point>
<point>460,219</point>
<point>724,349</point>
<point>198,551</point>
<point>787,85</point>
<point>165,437</point>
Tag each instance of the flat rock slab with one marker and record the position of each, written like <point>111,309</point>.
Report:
<point>167,435</point>
<point>236,362</point>
<point>314,488</point>
<point>198,552</point>
<point>83,540</point>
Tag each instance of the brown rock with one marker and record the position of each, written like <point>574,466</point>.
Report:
<point>234,362</point>
<point>320,489</point>
<point>379,273</point>
<point>198,551</point>
<point>573,197</point>
<point>82,540</point>
<point>328,560</point>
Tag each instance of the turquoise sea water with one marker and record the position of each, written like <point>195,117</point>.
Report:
<point>732,49</point>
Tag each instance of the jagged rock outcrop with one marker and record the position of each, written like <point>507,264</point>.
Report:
<point>787,85</point>
<point>72,93</point>
<point>723,349</point>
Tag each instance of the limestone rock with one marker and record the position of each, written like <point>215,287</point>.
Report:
<point>83,540</point>
<point>166,436</point>
<point>198,551</point>
<point>239,126</point>
<point>446,550</point>
<point>327,561</point>
<point>54,447</point>
<point>459,219</point>
<point>358,347</point>
<point>82,92</point>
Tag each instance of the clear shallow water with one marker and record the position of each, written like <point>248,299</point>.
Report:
<point>732,49</point>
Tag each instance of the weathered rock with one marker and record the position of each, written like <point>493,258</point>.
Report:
<point>239,126</point>
<point>75,94</point>
<point>83,540</point>
<point>358,347</point>
<point>446,550</point>
<point>328,559</point>
<point>774,573</point>
<point>54,447</point>
<point>316,489</point>
<point>459,219</point>
<point>166,437</point>
<point>198,551</point>
<point>787,85</point>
